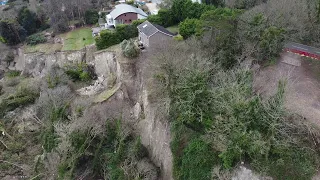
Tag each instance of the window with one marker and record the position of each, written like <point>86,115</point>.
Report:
<point>130,20</point>
<point>125,14</point>
<point>125,20</point>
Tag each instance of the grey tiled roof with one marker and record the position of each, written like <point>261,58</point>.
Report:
<point>149,29</point>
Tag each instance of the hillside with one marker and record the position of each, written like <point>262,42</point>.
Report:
<point>196,92</point>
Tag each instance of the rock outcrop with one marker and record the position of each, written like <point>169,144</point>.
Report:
<point>114,70</point>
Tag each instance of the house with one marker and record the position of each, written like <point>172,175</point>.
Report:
<point>3,2</point>
<point>196,1</point>
<point>124,14</point>
<point>153,35</point>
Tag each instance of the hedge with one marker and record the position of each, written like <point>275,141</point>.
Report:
<point>108,37</point>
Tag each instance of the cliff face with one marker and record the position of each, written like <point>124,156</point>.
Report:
<point>148,122</point>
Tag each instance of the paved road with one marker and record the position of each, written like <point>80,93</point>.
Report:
<point>303,49</point>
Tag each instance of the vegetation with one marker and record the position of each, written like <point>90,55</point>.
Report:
<point>13,73</point>
<point>77,39</point>
<point>91,16</point>
<point>123,32</point>
<point>80,72</point>
<point>36,39</point>
<point>12,32</point>
<point>218,118</point>
<point>188,27</point>
<point>129,49</point>
<point>24,94</point>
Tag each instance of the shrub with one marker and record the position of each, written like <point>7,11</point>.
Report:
<point>49,138</point>
<point>13,73</point>
<point>91,16</point>
<point>79,72</point>
<point>108,38</point>
<point>28,20</point>
<point>271,42</point>
<point>129,49</point>
<point>24,95</point>
<point>155,19</point>
<point>2,39</point>
<point>126,31</point>
<point>36,39</point>
<point>12,32</point>
<point>188,27</point>
<point>197,161</point>
<point>136,23</point>
<point>178,37</point>
<point>56,76</point>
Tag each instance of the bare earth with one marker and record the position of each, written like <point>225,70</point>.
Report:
<point>302,89</point>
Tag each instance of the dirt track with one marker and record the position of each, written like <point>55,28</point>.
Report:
<point>302,90</point>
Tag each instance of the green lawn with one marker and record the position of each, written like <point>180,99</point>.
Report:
<point>77,39</point>
<point>173,29</point>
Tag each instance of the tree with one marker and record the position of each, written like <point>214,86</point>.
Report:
<point>271,42</point>
<point>166,17</point>
<point>12,32</point>
<point>28,20</point>
<point>214,2</point>
<point>91,16</point>
<point>177,10</point>
<point>188,27</point>
<point>220,27</point>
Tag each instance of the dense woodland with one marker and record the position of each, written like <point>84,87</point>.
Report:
<point>218,120</point>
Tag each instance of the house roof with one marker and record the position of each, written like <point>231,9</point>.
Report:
<point>125,8</point>
<point>150,29</point>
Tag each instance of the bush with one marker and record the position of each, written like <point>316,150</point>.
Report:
<point>91,16</point>
<point>28,20</point>
<point>126,31</point>
<point>271,43</point>
<point>36,39</point>
<point>197,161</point>
<point>108,38</point>
<point>129,49</point>
<point>136,23</point>
<point>178,37</point>
<point>24,95</point>
<point>13,73</point>
<point>79,72</point>
<point>188,27</point>
<point>155,19</point>
<point>12,32</point>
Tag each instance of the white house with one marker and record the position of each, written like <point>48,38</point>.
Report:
<point>124,14</point>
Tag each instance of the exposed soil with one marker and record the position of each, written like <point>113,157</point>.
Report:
<point>302,89</point>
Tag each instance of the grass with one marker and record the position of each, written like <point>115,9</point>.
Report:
<point>173,29</point>
<point>77,39</point>
<point>45,48</point>
<point>73,40</point>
